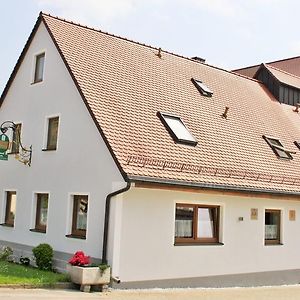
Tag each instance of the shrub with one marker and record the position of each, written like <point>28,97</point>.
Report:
<point>43,254</point>
<point>79,259</point>
<point>5,253</point>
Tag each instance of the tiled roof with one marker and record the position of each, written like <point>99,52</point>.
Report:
<point>284,76</point>
<point>290,65</point>
<point>125,84</point>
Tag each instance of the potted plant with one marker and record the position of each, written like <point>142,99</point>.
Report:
<point>82,272</point>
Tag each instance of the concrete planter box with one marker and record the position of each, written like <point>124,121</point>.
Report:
<point>87,276</point>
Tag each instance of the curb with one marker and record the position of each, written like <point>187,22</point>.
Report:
<point>55,286</point>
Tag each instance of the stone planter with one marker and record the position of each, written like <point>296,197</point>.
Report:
<point>87,276</point>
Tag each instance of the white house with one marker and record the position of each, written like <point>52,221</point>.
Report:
<point>176,172</point>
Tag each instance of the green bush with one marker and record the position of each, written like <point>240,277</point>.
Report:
<point>43,254</point>
<point>5,252</point>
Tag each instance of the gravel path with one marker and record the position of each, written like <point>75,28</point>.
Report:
<point>258,293</point>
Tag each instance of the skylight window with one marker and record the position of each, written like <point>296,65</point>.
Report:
<point>202,88</point>
<point>278,148</point>
<point>177,129</point>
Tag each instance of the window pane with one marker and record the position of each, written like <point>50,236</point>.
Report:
<point>184,222</point>
<point>178,128</point>
<point>205,222</point>
<point>82,208</point>
<point>39,68</point>
<point>52,133</point>
<point>272,225</point>
<point>16,139</point>
<point>43,209</point>
<point>11,198</point>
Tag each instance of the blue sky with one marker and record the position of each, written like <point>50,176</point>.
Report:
<point>227,33</point>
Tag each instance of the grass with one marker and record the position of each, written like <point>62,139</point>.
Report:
<point>11,273</point>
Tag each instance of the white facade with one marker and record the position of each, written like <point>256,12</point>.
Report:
<point>81,164</point>
<point>146,246</point>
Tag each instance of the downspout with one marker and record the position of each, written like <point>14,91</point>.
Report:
<point>106,220</point>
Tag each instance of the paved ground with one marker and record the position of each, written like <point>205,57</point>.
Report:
<point>260,293</point>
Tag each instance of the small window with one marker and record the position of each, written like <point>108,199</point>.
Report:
<point>272,226</point>
<point>10,211</point>
<point>39,68</point>
<point>52,133</point>
<point>196,224</point>
<point>177,129</point>
<point>202,88</point>
<point>79,220</point>
<point>41,212</point>
<point>278,148</point>
<point>15,146</point>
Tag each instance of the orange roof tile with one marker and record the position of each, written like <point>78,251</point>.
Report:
<point>284,76</point>
<point>125,84</point>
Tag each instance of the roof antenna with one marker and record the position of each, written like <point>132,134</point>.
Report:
<point>297,106</point>
<point>159,52</point>
<point>224,115</point>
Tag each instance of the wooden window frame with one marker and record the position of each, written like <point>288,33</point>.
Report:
<point>277,241</point>
<point>81,233</point>
<point>195,239</point>
<point>8,220</point>
<point>16,137</point>
<point>48,146</point>
<point>37,60</point>
<point>38,226</point>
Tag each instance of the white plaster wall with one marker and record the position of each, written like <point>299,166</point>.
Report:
<point>147,237</point>
<point>81,164</point>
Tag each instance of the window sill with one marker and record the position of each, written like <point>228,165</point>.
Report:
<point>72,236</point>
<point>7,225</point>
<point>37,230</point>
<point>277,244</point>
<point>37,81</point>
<point>199,244</point>
<point>50,149</point>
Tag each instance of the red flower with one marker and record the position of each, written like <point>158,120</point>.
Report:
<point>79,259</point>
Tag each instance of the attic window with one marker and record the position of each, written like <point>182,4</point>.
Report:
<point>177,129</point>
<point>202,88</point>
<point>278,148</point>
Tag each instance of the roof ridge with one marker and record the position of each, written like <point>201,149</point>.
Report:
<point>145,45</point>
<point>282,71</point>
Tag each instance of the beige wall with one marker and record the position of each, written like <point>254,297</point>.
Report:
<point>147,250</point>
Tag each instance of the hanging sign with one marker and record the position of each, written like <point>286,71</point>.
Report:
<point>4,145</point>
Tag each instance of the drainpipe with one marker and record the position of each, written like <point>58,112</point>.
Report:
<point>106,220</point>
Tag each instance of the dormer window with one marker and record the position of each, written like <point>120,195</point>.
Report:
<point>177,129</point>
<point>39,67</point>
<point>278,148</point>
<point>202,88</point>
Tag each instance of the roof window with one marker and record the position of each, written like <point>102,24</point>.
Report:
<point>278,148</point>
<point>202,88</point>
<point>177,129</point>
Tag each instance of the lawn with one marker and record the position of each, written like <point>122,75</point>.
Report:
<point>11,273</point>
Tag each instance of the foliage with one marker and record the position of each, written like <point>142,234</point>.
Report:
<point>43,254</point>
<point>5,253</point>
<point>25,261</point>
<point>79,259</point>
<point>103,267</point>
<point>11,273</point>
